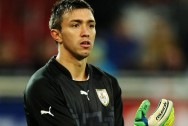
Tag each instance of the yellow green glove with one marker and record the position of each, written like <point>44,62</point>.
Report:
<point>162,116</point>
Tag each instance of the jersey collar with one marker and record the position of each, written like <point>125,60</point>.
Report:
<point>64,70</point>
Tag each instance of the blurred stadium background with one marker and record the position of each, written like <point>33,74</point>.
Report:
<point>143,43</point>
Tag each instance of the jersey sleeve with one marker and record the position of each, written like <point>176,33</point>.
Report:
<point>45,105</point>
<point>118,105</point>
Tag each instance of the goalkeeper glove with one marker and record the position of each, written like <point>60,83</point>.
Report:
<point>162,116</point>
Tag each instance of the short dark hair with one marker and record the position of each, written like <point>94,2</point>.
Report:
<point>63,6</point>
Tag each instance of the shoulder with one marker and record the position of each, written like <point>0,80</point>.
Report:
<point>41,86</point>
<point>38,81</point>
<point>99,73</point>
<point>109,80</point>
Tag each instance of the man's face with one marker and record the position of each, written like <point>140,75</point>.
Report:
<point>78,33</point>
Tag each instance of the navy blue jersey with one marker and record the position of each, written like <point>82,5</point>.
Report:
<point>53,98</point>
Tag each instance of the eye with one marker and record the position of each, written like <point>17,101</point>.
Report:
<point>92,25</point>
<point>75,25</point>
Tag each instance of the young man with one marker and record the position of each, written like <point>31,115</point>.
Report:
<point>68,91</point>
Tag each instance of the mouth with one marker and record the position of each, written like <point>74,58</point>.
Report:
<point>85,44</point>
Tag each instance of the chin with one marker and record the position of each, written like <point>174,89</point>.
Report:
<point>83,56</point>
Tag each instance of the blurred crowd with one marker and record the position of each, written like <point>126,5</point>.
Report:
<point>132,35</point>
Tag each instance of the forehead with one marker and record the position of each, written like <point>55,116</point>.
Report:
<point>78,14</point>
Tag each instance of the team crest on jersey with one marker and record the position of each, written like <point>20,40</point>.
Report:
<point>103,96</point>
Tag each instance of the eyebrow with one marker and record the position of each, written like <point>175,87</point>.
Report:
<point>80,21</point>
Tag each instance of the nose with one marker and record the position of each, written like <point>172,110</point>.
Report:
<point>85,31</point>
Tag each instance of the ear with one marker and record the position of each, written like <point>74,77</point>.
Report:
<point>56,35</point>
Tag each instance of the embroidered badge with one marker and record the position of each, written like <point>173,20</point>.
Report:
<point>103,96</point>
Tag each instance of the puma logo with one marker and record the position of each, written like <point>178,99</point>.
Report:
<point>46,112</point>
<point>84,93</point>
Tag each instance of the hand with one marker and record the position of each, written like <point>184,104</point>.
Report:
<point>162,116</point>
<point>140,118</point>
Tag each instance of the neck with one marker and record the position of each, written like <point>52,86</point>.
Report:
<point>77,68</point>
